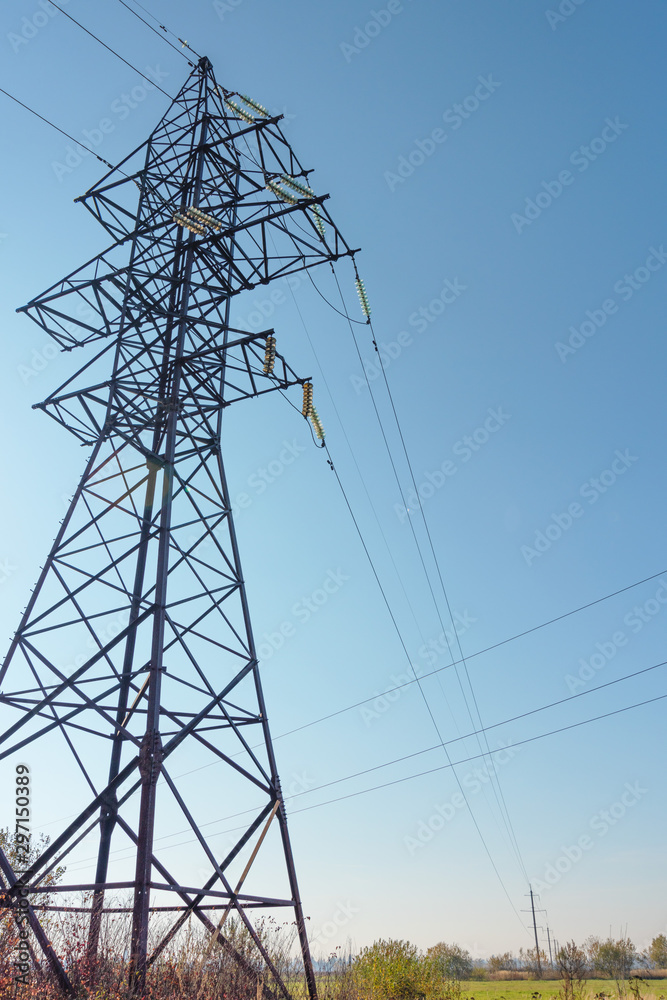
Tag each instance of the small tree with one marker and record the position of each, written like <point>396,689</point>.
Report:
<point>614,959</point>
<point>389,970</point>
<point>503,963</point>
<point>572,964</point>
<point>449,961</point>
<point>657,952</point>
<point>532,961</point>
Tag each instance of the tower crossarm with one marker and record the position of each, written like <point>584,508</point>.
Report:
<point>133,404</point>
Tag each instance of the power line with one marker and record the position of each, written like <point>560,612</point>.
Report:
<point>78,142</point>
<point>487,729</point>
<point>504,815</point>
<point>167,31</point>
<point>428,707</point>
<point>399,576</point>
<point>113,51</point>
<point>150,26</point>
<point>58,129</point>
<point>467,760</point>
<point>506,722</point>
<point>409,777</point>
<point>480,652</point>
<point>389,609</point>
<point>498,792</point>
<point>499,796</point>
<point>345,315</point>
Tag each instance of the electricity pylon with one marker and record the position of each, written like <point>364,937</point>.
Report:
<point>214,203</point>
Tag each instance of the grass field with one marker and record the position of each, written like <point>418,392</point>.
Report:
<point>544,989</point>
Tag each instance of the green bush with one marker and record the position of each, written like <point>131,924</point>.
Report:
<point>449,961</point>
<point>396,970</point>
<point>390,970</point>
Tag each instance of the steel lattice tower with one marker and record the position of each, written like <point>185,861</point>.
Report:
<point>214,203</point>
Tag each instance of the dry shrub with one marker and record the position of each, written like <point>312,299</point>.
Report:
<point>509,974</point>
<point>188,967</point>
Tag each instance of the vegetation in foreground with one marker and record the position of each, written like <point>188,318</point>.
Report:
<point>193,968</point>
<point>598,970</point>
<point>387,970</point>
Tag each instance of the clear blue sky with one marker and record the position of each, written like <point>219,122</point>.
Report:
<point>502,168</point>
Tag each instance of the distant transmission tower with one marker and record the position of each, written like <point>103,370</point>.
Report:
<point>222,205</point>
